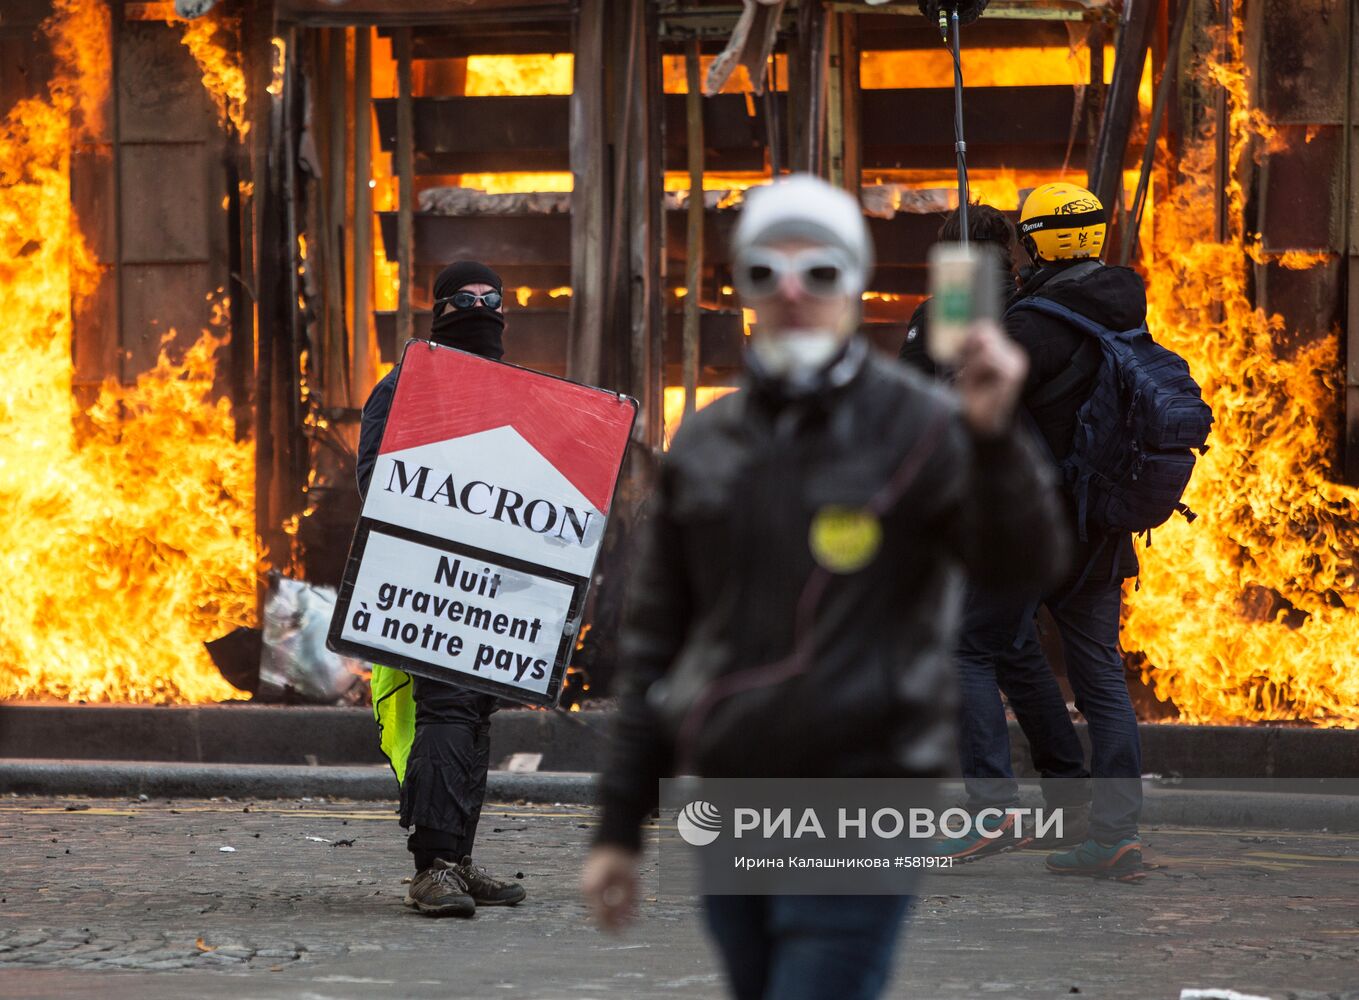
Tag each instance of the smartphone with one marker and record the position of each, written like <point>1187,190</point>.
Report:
<point>964,288</point>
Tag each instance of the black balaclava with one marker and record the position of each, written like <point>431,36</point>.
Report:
<point>478,330</point>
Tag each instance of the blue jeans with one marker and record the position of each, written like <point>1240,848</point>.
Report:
<point>806,947</point>
<point>999,651</point>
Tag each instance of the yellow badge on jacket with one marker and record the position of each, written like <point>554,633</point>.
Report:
<point>845,539</point>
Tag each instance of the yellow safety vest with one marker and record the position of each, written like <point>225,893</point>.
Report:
<point>394,710</point>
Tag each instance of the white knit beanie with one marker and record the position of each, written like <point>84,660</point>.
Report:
<point>803,206</point>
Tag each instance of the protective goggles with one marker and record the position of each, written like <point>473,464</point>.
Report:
<point>821,271</point>
<point>466,300</point>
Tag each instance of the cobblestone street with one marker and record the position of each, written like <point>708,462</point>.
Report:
<point>139,899</point>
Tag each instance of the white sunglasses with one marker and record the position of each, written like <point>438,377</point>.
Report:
<point>821,271</point>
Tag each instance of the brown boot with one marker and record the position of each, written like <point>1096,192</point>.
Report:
<point>439,891</point>
<point>486,889</point>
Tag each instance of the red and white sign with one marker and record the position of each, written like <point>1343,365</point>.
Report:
<point>482,523</point>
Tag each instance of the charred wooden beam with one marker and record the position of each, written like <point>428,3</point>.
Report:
<point>849,106</point>
<point>405,148</point>
<point>1351,246</point>
<point>496,240</point>
<point>1303,182</point>
<point>901,241</point>
<point>892,32</point>
<point>277,430</point>
<point>900,280</point>
<point>624,50</point>
<point>1130,56</point>
<point>462,39</point>
<point>996,117</point>
<point>1164,86</point>
<point>647,235</point>
<point>812,71</point>
<point>477,134</point>
<point>587,225</point>
<point>333,123</point>
<point>412,13</point>
<point>361,264</point>
<point>537,338</point>
<point>693,240</point>
<point>1007,126</point>
<point>535,250</point>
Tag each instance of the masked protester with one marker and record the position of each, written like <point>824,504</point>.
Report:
<point>1063,228</point>
<point>437,735</point>
<point>752,503</point>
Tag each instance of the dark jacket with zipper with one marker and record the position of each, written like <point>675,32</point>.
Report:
<point>1063,363</point>
<point>743,654</point>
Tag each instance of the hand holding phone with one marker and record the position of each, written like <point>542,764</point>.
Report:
<point>964,290</point>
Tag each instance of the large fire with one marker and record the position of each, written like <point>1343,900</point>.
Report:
<point>131,539</point>
<point>1246,614</point>
<point>132,542</point>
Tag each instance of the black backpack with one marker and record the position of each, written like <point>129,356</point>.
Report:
<point>1136,434</point>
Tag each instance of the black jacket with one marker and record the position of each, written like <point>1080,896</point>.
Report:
<point>1062,360</point>
<point>913,351</point>
<point>1063,363</point>
<point>862,679</point>
<point>375,412</point>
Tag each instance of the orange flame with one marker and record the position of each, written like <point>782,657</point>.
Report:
<point>128,547</point>
<point>509,75</point>
<point>222,73</point>
<point>673,404</point>
<point>1027,66</point>
<point>1246,615</point>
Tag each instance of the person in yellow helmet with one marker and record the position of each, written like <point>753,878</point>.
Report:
<point>1062,228</point>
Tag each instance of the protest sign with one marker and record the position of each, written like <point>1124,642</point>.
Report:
<point>481,524</point>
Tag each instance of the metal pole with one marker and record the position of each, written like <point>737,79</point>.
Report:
<point>693,274</point>
<point>960,146</point>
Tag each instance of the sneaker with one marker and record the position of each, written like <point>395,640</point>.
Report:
<point>974,845</point>
<point>1122,861</point>
<point>439,891</point>
<point>1075,828</point>
<point>486,889</point>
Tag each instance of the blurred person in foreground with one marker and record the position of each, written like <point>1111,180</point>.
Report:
<point>437,735</point>
<point>822,516</point>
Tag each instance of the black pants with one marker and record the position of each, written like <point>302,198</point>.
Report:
<point>446,774</point>
<point>998,651</point>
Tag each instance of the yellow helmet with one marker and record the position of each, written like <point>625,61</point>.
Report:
<point>1062,222</point>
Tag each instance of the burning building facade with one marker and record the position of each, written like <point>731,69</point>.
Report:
<point>217,234</point>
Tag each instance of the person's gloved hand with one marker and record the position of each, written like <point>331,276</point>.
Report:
<point>968,10</point>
